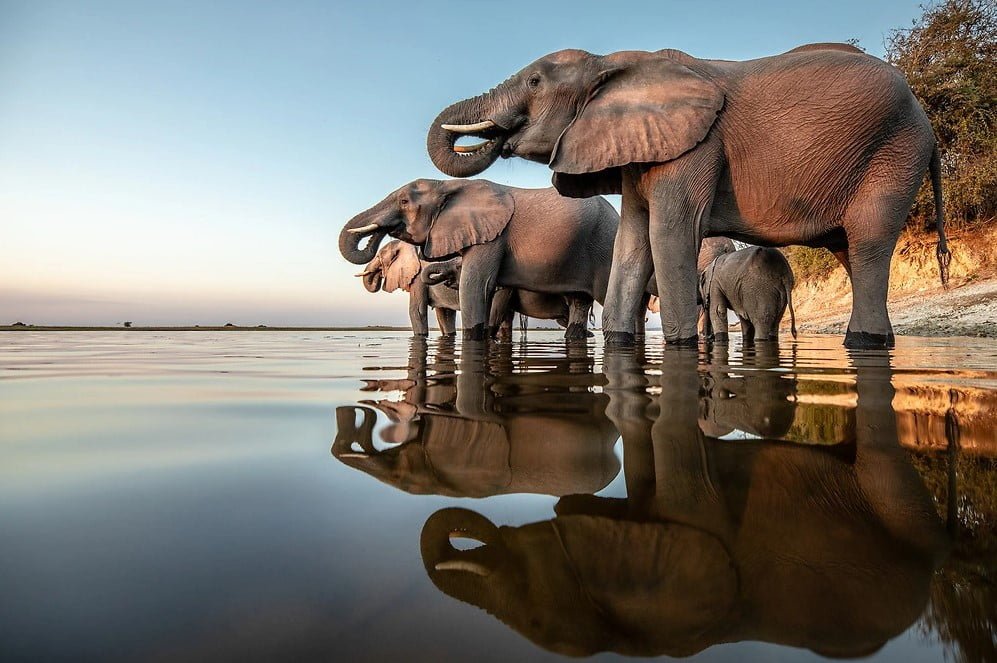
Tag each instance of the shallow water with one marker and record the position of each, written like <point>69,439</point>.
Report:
<point>276,496</point>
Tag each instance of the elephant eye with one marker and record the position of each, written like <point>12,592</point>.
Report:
<point>534,81</point>
<point>403,202</point>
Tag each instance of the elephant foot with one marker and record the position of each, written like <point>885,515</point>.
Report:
<point>448,335</point>
<point>860,340</point>
<point>618,338</point>
<point>576,332</point>
<point>478,332</point>
<point>420,334</point>
<point>688,342</point>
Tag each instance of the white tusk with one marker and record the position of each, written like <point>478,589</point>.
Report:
<point>463,565</point>
<point>468,128</point>
<point>353,454</point>
<point>361,274</point>
<point>363,229</point>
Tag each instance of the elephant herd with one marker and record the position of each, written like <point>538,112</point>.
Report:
<point>822,146</point>
<point>765,518</point>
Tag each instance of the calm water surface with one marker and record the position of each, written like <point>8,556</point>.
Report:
<point>311,496</point>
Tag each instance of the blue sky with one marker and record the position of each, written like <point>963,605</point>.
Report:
<point>192,162</point>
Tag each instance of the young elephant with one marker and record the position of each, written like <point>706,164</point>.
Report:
<point>757,283</point>
<point>532,239</point>
<point>397,265</point>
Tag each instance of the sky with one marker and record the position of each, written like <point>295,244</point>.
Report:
<point>193,162</point>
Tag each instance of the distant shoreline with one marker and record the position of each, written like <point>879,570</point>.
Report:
<point>13,328</point>
<point>58,328</point>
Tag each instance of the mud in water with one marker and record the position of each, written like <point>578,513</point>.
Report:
<point>309,496</point>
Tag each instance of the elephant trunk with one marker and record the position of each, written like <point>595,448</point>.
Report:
<point>448,567</point>
<point>477,117</point>
<point>348,432</point>
<point>374,224</point>
<point>447,272</point>
<point>373,277</point>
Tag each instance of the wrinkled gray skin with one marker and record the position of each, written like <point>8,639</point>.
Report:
<point>479,434</point>
<point>823,146</point>
<point>757,284</point>
<point>532,239</point>
<point>397,266</point>
<point>827,548</point>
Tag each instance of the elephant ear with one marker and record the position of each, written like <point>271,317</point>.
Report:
<point>402,272</point>
<point>472,212</point>
<point>652,110</point>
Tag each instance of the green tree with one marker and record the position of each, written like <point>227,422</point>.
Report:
<point>949,57</point>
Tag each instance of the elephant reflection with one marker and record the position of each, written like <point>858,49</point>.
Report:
<point>827,548</point>
<point>485,431</point>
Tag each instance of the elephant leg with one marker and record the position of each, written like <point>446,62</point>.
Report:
<point>718,315</point>
<point>500,318</point>
<point>675,220</point>
<point>641,327</point>
<point>869,325</point>
<point>747,330</point>
<point>477,286</point>
<point>446,318</point>
<point>842,257</point>
<point>418,308</point>
<point>578,314</point>
<point>631,269</point>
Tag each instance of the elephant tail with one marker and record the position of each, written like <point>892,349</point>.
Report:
<point>942,250</point>
<point>792,313</point>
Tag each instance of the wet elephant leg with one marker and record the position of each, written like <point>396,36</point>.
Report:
<point>477,287</point>
<point>718,314</point>
<point>748,332</point>
<point>500,319</point>
<point>869,326</point>
<point>578,315</point>
<point>446,318</point>
<point>631,269</point>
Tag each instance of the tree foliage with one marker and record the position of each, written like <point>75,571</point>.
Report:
<point>949,56</point>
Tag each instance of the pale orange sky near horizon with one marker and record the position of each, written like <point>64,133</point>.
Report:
<point>193,164</point>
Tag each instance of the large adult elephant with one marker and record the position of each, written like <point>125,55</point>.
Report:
<point>534,239</point>
<point>828,548</point>
<point>822,146</point>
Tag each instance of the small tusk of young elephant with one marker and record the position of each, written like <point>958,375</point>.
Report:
<point>468,128</point>
<point>363,229</point>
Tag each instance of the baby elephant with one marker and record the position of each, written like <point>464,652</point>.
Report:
<point>757,283</point>
<point>397,265</point>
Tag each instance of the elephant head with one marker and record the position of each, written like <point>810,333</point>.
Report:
<point>442,217</point>
<point>584,115</point>
<point>581,584</point>
<point>395,266</point>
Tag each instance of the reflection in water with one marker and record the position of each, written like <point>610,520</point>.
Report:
<point>483,430</point>
<point>766,500</point>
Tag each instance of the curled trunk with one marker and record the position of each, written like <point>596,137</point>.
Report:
<point>440,142</point>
